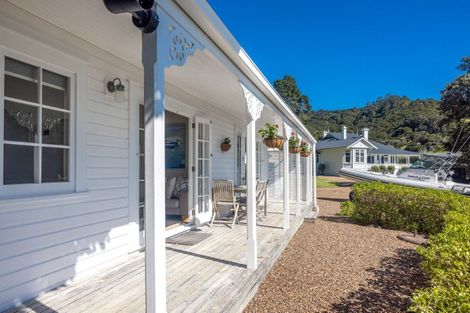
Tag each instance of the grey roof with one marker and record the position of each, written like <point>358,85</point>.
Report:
<point>335,140</point>
<point>384,149</point>
<point>329,144</point>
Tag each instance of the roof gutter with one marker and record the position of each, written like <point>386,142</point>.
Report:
<point>205,17</point>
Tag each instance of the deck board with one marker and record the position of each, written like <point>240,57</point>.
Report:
<point>210,276</point>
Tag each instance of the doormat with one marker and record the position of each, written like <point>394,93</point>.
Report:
<point>188,239</point>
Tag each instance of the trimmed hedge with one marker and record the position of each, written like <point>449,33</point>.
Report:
<point>444,215</point>
<point>446,261</point>
<point>400,207</point>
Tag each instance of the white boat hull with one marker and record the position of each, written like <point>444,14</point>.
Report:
<point>358,175</point>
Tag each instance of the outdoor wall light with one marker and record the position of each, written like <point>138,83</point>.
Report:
<point>143,15</point>
<point>118,89</point>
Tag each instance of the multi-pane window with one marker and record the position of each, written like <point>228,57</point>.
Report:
<point>36,125</point>
<point>347,156</point>
<point>360,155</point>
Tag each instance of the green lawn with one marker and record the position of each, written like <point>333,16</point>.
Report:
<point>325,182</point>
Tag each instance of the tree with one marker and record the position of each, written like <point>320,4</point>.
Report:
<point>290,92</point>
<point>464,65</point>
<point>455,103</point>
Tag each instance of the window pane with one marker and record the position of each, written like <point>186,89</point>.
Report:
<point>199,131</point>
<point>206,150</point>
<point>55,127</point>
<point>141,117</point>
<point>55,165</point>
<point>141,141</point>
<point>55,91</point>
<point>21,81</point>
<point>20,122</point>
<point>18,166</point>
<point>206,131</point>
<point>142,192</point>
<point>142,167</point>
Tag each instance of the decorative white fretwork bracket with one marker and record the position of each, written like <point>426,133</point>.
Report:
<point>175,44</point>
<point>255,106</point>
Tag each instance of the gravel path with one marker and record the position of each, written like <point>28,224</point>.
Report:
<point>333,265</point>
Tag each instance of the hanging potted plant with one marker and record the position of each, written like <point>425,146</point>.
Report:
<point>270,137</point>
<point>305,149</point>
<point>225,145</point>
<point>294,144</point>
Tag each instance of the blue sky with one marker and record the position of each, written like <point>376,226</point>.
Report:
<point>347,53</point>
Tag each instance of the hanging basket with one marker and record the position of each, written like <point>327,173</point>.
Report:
<point>305,154</point>
<point>275,143</point>
<point>294,150</point>
<point>225,147</point>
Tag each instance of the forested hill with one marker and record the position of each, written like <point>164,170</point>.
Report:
<point>408,124</point>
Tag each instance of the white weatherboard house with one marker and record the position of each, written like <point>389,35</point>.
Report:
<point>338,150</point>
<point>110,140</point>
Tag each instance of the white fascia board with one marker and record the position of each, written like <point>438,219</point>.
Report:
<point>205,17</point>
<point>364,140</point>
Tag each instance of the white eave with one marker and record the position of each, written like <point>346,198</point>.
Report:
<point>205,17</point>
<point>363,140</point>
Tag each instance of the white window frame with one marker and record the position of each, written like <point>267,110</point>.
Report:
<point>359,156</point>
<point>345,159</point>
<point>75,71</point>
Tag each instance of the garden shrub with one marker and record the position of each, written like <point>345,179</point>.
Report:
<point>382,169</point>
<point>401,207</point>
<point>442,214</point>
<point>375,168</point>
<point>446,261</point>
<point>391,169</point>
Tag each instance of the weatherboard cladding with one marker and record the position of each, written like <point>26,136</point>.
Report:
<point>335,140</point>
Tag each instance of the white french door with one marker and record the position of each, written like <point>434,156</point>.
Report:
<point>203,170</point>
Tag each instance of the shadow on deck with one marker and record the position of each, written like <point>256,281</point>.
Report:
<point>210,276</point>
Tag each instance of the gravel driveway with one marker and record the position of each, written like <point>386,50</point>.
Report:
<point>334,265</point>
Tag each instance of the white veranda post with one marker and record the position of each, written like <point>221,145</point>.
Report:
<point>286,202</point>
<point>254,106</point>
<point>308,179</point>
<point>154,108</point>
<point>314,161</point>
<point>168,45</point>
<point>298,211</point>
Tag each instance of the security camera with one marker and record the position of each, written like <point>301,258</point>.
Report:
<point>143,16</point>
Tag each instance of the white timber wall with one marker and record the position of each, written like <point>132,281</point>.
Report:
<point>292,177</point>
<point>46,241</point>
<point>332,159</point>
<point>275,175</point>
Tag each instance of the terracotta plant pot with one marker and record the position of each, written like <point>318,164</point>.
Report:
<point>225,147</point>
<point>275,143</point>
<point>305,154</point>
<point>294,150</point>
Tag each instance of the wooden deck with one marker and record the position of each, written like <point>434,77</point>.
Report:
<point>210,276</point>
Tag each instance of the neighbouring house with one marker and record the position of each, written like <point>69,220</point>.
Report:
<point>338,150</point>
<point>110,138</point>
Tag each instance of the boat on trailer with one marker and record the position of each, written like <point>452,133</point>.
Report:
<point>433,171</point>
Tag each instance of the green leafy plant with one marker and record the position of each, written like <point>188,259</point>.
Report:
<point>401,207</point>
<point>305,147</point>
<point>445,216</point>
<point>391,169</point>
<point>294,142</point>
<point>382,169</point>
<point>446,261</point>
<point>375,168</point>
<point>226,141</point>
<point>269,131</point>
